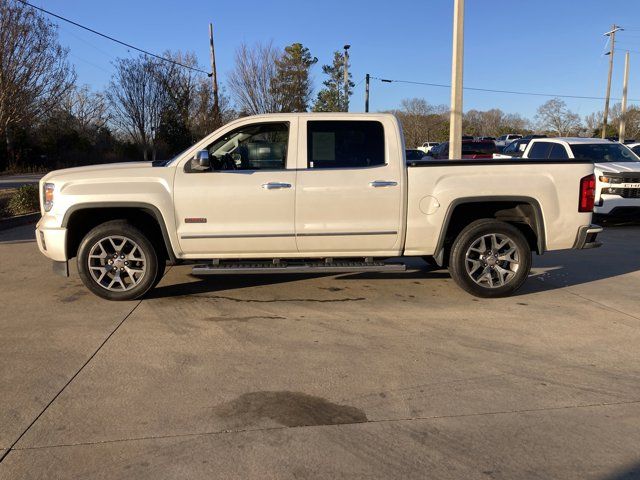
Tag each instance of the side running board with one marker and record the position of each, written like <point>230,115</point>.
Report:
<point>238,268</point>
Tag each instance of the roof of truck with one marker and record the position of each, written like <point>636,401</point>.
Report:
<point>573,140</point>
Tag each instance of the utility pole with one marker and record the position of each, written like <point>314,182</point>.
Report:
<point>623,112</point>
<point>455,122</point>
<point>612,36</point>
<point>214,80</point>
<point>346,77</point>
<point>366,93</point>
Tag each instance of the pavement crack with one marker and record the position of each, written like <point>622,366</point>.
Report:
<point>55,397</point>
<point>339,425</point>
<point>603,305</point>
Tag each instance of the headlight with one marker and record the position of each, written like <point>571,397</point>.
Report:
<point>610,179</point>
<point>47,196</point>
<point>612,191</point>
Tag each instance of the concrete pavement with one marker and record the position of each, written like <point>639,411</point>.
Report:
<point>349,376</point>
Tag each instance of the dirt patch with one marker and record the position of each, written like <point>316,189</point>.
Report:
<point>292,409</point>
<point>276,300</point>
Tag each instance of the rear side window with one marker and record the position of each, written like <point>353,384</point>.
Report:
<point>345,144</point>
<point>478,148</point>
<point>540,150</point>
<point>558,152</point>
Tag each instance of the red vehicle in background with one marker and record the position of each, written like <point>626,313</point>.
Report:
<point>471,149</point>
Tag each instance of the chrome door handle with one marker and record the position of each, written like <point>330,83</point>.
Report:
<point>275,185</point>
<point>382,183</point>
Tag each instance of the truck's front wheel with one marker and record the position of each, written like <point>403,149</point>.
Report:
<point>116,261</point>
<point>490,258</point>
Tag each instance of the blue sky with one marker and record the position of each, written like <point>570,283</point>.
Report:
<point>542,46</point>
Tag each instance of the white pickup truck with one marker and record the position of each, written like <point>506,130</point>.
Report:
<point>311,193</point>
<point>617,170</point>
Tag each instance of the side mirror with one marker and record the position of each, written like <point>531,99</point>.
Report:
<point>202,159</point>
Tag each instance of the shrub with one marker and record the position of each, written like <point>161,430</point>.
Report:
<point>25,200</point>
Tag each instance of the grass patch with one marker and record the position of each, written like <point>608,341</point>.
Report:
<point>19,201</point>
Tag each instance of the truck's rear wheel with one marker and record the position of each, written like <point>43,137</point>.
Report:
<point>490,258</point>
<point>116,261</point>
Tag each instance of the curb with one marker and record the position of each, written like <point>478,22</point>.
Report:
<point>12,222</point>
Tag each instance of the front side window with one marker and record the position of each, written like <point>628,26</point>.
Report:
<point>259,146</point>
<point>345,144</point>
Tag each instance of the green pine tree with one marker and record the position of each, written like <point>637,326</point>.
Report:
<point>332,98</point>
<point>291,84</point>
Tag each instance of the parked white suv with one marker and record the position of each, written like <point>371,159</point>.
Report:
<point>311,193</point>
<point>617,170</point>
<point>505,140</point>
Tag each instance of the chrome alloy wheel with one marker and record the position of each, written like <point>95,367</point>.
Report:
<point>117,263</point>
<point>492,260</point>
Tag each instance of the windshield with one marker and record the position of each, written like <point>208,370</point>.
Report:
<point>604,152</point>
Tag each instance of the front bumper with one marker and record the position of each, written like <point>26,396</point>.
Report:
<point>52,240</point>
<point>586,237</point>
<point>607,203</point>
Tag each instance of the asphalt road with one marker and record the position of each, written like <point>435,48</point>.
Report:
<point>15,181</point>
<point>348,376</point>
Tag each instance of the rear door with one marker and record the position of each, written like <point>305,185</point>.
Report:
<point>349,187</point>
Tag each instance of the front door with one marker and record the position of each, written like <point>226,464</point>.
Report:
<point>349,189</point>
<point>243,205</point>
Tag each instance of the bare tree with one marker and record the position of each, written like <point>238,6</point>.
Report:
<point>34,72</point>
<point>554,116</point>
<point>137,99</point>
<point>251,79</point>
<point>88,109</point>
<point>421,121</point>
<point>493,122</point>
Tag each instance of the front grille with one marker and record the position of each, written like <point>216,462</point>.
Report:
<point>624,177</point>
<point>630,192</point>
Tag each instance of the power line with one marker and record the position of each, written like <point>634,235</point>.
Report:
<point>128,45</point>
<point>510,92</point>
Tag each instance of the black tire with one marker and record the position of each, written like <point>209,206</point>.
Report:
<point>152,271</point>
<point>473,233</point>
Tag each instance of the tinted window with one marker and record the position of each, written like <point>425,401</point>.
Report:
<point>511,148</point>
<point>345,144</point>
<point>636,149</point>
<point>414,154</point>
<point>540,150</point>
<point>603,152</point>
<point>478,148</point>
<point>261,146</point>
<point>558,152</point>
<point>443,150</point>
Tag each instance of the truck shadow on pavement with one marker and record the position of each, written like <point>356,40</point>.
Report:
<point>619,255</point>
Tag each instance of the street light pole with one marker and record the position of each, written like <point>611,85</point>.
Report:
<point>346,77</point>
<point>455,123</point>
<point>623,112</point>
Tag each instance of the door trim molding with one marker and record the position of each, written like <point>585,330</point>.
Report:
<point>277,235</point>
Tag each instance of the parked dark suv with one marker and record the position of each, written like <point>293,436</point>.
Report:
<point>471,149</point>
